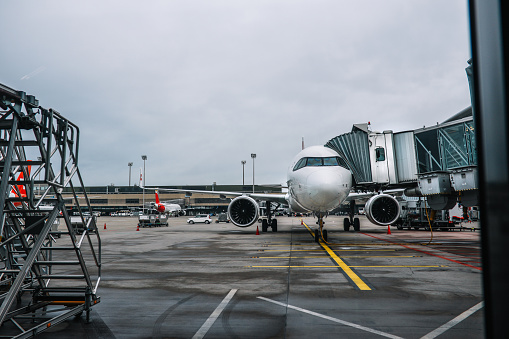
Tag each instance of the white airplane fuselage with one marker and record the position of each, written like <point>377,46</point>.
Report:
<point>316,184</point>
<point>167,208</point>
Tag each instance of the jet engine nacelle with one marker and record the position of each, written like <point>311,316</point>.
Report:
<point>243,211</point>
<point>382,209</point>
<point>161,208</point>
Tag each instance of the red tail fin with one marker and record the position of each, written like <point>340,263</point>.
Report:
<point>21,188</point>
<point>157,198</point>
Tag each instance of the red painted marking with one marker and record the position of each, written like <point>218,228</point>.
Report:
<point>425,252</point>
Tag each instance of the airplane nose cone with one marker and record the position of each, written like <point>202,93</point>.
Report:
<point>324,190</point>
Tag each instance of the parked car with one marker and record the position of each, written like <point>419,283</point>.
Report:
<point>200,218</point>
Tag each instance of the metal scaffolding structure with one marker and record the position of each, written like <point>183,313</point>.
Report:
<point>50,268</point>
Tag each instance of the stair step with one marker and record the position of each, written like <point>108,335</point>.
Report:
<point>56,263</point>
<point>56,276</point>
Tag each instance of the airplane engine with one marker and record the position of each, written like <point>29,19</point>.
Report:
<point>160,208</point>
<point>243,211</point>
<point>382,209</point>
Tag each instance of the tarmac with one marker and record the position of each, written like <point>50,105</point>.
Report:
<point>221,281</point>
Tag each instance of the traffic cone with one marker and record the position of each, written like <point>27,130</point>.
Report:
<point>301,222</point>
<point>388,229</point>
<point>257,231</point>
<point>138,228</point>
<point>104,225</point>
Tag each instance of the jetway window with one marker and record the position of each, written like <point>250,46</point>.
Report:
<point>428,151</point>
<point>380,154</point>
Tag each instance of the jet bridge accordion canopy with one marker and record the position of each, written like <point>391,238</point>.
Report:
<point>353,147</point>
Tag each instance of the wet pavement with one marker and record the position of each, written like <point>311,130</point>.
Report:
<point>221,281</point>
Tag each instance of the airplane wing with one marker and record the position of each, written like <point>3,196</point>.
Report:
<point>276,197</point>
<point>364,196</point>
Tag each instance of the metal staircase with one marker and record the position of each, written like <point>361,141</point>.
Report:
<point>49,268</point>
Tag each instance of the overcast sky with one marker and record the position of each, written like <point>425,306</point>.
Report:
<point>198,86</point>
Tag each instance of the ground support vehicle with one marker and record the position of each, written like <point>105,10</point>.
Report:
<point>152,220</point>
<point>80,227</point>
<point>414,216</point>
<point>223,217</point>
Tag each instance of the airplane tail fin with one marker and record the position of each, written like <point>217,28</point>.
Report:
<point>21,188</point>
<point>157,198</point>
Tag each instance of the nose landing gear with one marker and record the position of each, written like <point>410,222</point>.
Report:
<point>320,230</point>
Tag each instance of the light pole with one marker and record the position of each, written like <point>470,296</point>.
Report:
<point>253,156</point>
<point>243,162</point>
<point>143,157</point>
<point>130,164</point>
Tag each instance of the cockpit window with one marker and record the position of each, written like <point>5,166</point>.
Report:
<point>332,161</point>
<point>329,161</point>
<point>314,162</point>
<point>301,163</point>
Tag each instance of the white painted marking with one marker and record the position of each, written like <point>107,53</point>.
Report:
<point>455,321</point>
<point>363,328</point>
<point>210,321</point>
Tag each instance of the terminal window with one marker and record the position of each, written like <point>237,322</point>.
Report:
<point>98,201</point>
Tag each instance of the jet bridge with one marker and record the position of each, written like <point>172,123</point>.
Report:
<point>46,274</point>
<point>438,162</point>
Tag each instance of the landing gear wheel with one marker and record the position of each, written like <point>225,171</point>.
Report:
<point>274,225</point>
<point>356,225</point>
<point>264,225</point>
<point>317,236</point>
<point>346,224</point>
<point>324,234</point>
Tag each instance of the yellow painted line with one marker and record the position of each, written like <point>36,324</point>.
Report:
<point>351,274</point>
<point>344,244</point>
<point>345,256</point>
<point>293,266</point>
<point>382,256</point>
<point>292,245</point>
<point>334,266</point>
<point>366,245</point>
<point>342,250</point>
<point>401,266</point>
<point>348,271</point>
<point>307,257</point>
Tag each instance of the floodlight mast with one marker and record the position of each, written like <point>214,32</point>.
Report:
<point>253,156</point>
<point>243,162</point>
<point>130,164</point>
<point>144,158</point>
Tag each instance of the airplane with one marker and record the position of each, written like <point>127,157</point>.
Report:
<point>165,207</point>
<point>19,191</point>
<point>318,181</point>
